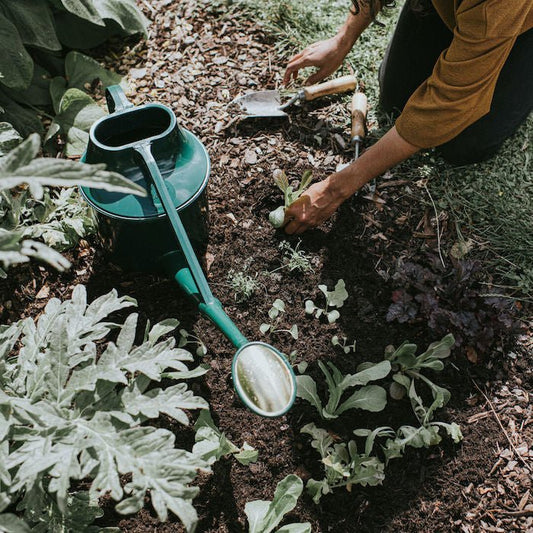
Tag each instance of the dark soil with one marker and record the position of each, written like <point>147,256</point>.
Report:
<point>196,62</point>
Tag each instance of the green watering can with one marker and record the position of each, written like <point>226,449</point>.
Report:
<point>158,233</point>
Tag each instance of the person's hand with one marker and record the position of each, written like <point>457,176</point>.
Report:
<point>327,55</point>
<point>315,206</point>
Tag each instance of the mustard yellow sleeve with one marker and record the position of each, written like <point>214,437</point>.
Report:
<point>460,89</point>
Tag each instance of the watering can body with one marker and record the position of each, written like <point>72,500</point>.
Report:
<point>135,230</point>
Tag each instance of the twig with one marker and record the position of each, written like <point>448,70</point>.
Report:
<point>520,458</point>
<point>438,225</point>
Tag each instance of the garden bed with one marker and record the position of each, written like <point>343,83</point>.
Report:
<point>196,61</point>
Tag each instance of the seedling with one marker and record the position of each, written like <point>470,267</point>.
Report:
<point>335,298</point>
<point>187,338</point>
<point>371,398</point>
<point>264,516</point>
<point>294,258</point>
<point>275,312</point>
<point>243,285</point>
<point>342,342</point>
<point>277,217</point>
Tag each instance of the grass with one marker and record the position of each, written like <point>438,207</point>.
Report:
<point>491,203</point>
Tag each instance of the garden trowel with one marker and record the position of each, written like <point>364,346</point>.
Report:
<point>268,103</point>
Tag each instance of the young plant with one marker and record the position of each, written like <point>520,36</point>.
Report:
<point>371,398</point>
<point>275,312</point>
<point>294,258</point>
<point>277,217</point>
<point>243,285</point>
<point>407,369</point>
<point>187,338</point>
<point>212,444</point>
<point>342,342</point>
<point>264,516</point>
<point>70,411</point>
<point>334,298</point>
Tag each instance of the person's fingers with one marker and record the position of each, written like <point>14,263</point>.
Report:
<point>318,76</point>
<point>294,227</point>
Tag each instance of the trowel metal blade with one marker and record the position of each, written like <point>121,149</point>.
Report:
<point>260,104</point>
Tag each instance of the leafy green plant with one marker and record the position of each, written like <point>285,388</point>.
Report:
<point>243,285</point>
<point>34,35</point>
<point>264,516</point>
<point>187,338</point>
<point>275,312</point>
<point>212,444</point>
<point>371,398</point>
<point>334,298</point>
<point>345,463</point>
<point>79,515</point>
<point>70,411</point>
<point>29,210</point>
<point>290,195</point>
<point>294,258</point>
<point>342,342</point>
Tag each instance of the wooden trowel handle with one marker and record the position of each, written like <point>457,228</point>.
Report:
<point>340,85</point>
<point>359,107</point>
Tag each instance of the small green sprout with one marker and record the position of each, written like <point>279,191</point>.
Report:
<point>343,343</point>
<point>277,217</point>
<point>278,307</point>
<point>294,258</point>
<point>188,338</point>
<point>243,285</point>
<point>334,298</point>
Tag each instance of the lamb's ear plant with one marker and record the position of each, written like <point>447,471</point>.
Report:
<point>371,398</point>
<point>243,285</point>
<point>274,314</point>
<point>334,298</point>
<point>294,258</point>
<point>71,411</point>
<point>30,210</point>
<point>290,195</point>
<point>265,516</point>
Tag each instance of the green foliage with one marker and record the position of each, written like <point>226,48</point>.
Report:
<point>34,73</point>
<point>371,398</point>
<point>334,298</point>
<point>290,195</point>
<point>342,342</point>
<point>243,285</point>
<point>294,258</point>
<point>212,444</point>
<point>264,516</point>
<point>69,411</point>
<point>346,463</point>
<point>30,210</point>
<point>274,314</point>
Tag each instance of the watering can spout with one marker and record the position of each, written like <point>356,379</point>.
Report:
<point>175,265</point>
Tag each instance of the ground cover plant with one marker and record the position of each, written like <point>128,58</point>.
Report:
<point>198,58</point>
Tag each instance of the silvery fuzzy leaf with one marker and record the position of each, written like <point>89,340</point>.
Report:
<point>304,527</point>
<point>322,440</point>
<point>264,328</point>
<point>11,523</point>
<point>20,156</point>
<point>309,307</point>
<point>370,373</point>
<point>294,332</point>
<point>316,489</point>
<point>371,398</point>
<point>9,138</point>
<point>171,401</point>
<point>333,316</point>
<point>162,328</point>
<point>248,454</point>
<point>307,390</point>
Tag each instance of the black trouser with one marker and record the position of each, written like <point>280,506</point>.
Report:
<point>417,42</point>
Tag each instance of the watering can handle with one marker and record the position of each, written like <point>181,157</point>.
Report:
<point>116,99</point>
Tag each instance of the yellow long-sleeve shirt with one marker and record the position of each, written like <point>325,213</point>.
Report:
<point>460,89</point>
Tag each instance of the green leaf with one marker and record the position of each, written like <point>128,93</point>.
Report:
<point>264,328</point>
<point>306,389</point>
<point>294,332</point>
<point>20,156</point>
<point>309,307</point>
<point>371,373</point>
<point>338,296</point>
<point>9,138</point>
<point>34,21</point>
<point>16,65</point>
<point>277,217</point>
<point>316,489</point>
<point>10,523</point>
<point>38,92</point>
<point>81,69</point>
<point>264,516</point>
<point>371,398</point>
<point>84,9</point>
<point>77,113</point>
<point>24,120</point>
<point>248,454</point>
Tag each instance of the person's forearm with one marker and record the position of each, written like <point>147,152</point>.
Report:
<point>353,27</point>
<point>390,150</point>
